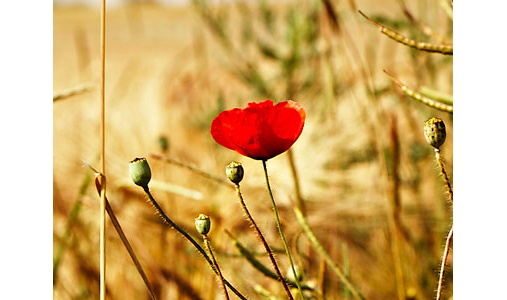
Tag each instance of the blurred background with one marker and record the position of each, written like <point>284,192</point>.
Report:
<point>172,66</point>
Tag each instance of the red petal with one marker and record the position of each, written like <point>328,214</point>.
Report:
<point>261,130</point>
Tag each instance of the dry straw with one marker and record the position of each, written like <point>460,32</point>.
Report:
<point>102,152</point>
<point>122,235</point>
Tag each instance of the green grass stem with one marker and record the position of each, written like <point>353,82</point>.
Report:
<point>74,212</point>
<point>334,266</point>
<point>279,226</point>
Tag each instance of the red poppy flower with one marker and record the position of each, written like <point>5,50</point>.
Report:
<point>261,130</point>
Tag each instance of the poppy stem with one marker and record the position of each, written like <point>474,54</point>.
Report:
<point>208,246</point>
<point>263,240</point>
<point>190,239</point>
<point>296,279</point>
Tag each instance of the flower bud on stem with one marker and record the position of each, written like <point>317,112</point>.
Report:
<point>203,225</point>
<point>143,165</point>
<point>434,132</point>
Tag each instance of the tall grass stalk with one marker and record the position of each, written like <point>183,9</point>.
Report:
<point>315,242</point>
<point>295,176</point>
<point>74,212</point>
<point>395,209</point>
<point>102,152</point>
<point>279,226</point>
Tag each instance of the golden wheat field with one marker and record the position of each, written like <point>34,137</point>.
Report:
<point>362,173</point>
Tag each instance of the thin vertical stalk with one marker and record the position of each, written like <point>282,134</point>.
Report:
<point>282,236</point>
<point>102,153</point>
<point>295,176</point>
<point>444,261</point>
<point>395,209</point>
<point>263,240</point>
<point>208,246</point>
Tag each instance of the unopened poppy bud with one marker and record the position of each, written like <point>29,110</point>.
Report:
<point>234,172</point>
<point>434,131</point>
<point>140,172</point>
<point>202,224</point>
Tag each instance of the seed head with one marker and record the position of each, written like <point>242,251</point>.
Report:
<point>434,131</point>
<point>140,172</point>
<point>202,224</point>
<point>234,172</point>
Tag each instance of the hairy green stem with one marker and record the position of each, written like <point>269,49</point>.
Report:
<point>442,266</point>
<point>445,177</point>
<point>264,243</point>
<point>208,246</point>
<point>190,239</point>
<point>282,236</point>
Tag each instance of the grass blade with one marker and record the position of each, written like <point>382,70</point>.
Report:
<point>313,239</point>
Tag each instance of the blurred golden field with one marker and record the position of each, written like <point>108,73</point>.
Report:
<point>171,69</point>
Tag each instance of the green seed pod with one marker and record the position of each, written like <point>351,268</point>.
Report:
<point>140,172</point>
<point>234,172</point>
<point>434,131</point>
<point>202,224</point>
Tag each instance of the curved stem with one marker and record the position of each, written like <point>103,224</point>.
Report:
<point>296,279</point>
<point>263,240</point>
<point>190,239</point>
<point>444,260</point>
<point>208,246</point>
